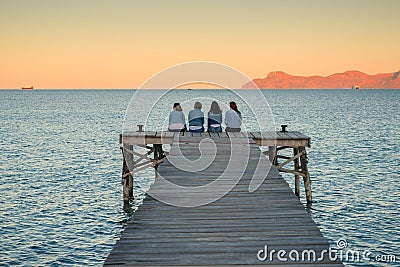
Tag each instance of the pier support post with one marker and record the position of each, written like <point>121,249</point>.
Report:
<point>306,177</point>
<point>158,154</point>
<point>272,154</point>
<point>296,176</point>
<point>125,183</point>
<point>127,178</point>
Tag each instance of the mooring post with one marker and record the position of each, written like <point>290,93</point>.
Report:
<point>306,178</point>
<point>296,176</point>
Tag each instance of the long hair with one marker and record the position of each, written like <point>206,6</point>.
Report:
<point>177,107</point>
<point>215,108</point>
<point>233,106</point>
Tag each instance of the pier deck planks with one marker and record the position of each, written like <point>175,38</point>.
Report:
<point>229,231</point>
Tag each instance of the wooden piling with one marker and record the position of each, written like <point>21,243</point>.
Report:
<point>130,177</point>
<point>125,183</point>
<point>272,154</point>
<point>296,176</point>
<point>127,176</point>
<point>306,177</point>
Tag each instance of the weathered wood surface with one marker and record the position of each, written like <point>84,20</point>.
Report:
<point>292,138</point>
<point>229,231</point>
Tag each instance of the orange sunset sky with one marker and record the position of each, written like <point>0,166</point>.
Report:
<point>121,43</point>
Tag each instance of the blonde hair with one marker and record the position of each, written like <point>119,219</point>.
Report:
<point>197,105</point>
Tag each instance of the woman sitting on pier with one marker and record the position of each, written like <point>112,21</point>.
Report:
<point>176,119</point>
<point>196,119</point>
<point>214,118</point>
<point>233,118</point>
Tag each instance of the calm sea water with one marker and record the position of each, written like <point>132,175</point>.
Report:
<point>60,191</point>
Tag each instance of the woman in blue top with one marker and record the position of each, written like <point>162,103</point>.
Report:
<point>214,118</point>
<point>196,119</point>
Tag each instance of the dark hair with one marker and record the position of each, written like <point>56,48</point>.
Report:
<point>233,106</point>
<point>215,108</point>
<point>177,107</point>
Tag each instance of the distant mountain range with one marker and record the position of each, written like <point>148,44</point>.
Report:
<point>345,80</point>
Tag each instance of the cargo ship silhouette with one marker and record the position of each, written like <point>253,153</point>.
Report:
<point>27,88</point>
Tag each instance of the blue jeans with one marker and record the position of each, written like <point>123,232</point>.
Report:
<point>197,131</point>
<point>215,129</point>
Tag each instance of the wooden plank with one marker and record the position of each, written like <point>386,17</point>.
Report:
<point>268,135</point>
<point>267,138</point>
<point>223,135</point>
<point>213,135</point>
<point>150,137</point>
<point>196,134</point>
<point>237,134</point>
<point>282,135</point>
<point>283,142</point>
<point>300,135</point>
<point>169,134</point>
<point>247,134</point>
<point>256,135</point>
<point>292,135</point>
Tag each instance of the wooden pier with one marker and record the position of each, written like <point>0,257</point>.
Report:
<point>258,216</point>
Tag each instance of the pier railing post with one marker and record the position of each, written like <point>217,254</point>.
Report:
<point>306,177</point>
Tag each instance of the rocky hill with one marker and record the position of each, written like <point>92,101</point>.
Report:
<point>345,80</point>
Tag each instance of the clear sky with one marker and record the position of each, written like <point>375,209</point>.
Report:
<point>120,43</point>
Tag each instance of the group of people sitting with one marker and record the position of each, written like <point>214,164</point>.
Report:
<point>233,119</point>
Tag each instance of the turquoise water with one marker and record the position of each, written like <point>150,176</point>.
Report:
<point>60,191</point>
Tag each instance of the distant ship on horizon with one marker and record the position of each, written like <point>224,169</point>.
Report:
<point>27,88</point>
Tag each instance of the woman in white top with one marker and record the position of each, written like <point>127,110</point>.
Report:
<point>233,118</point>
<point>176,119</point>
